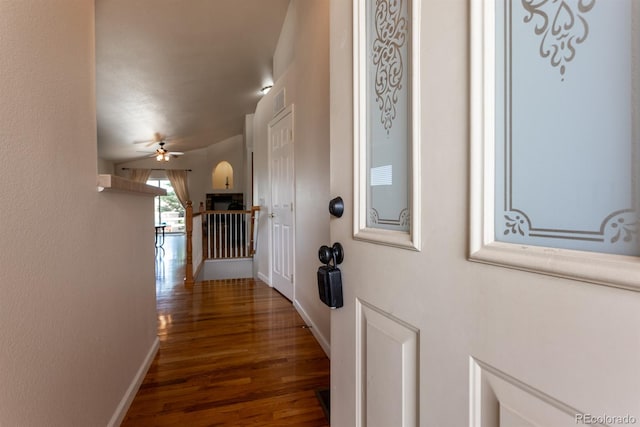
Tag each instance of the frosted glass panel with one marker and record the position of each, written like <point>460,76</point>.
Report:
<point>388,107</point>
<point>566,124</point>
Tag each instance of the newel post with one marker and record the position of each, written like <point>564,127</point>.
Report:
<point>188,271</point>
<point>252,249</point>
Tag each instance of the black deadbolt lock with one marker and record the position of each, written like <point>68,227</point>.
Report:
<point>336,207</point>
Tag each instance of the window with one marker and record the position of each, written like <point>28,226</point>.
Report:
<point>555,139</point>
<point>168,209</point>
<point>386,120</point>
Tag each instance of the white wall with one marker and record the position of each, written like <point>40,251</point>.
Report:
<point>306,81</point>
<point>77,311</point>
<point>285,53</point>
<point>202,163</point>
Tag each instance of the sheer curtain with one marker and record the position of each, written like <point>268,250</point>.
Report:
<point>139,175</point>
<point>178,179</point>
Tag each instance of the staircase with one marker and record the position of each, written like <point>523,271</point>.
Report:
<point>220,244</point>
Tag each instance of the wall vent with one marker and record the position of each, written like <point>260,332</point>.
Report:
<point>278,102</point>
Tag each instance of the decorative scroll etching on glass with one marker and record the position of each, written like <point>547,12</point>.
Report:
<point>561,27</point>
<point>567,124</point>
<point>388,108</point>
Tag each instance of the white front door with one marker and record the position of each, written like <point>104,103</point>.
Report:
<point>430,338</point>
<point>282,191</point>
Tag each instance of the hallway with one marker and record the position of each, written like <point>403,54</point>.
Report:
<point>232,353</point>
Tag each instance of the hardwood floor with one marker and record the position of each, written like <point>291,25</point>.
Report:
<point>232,353</point>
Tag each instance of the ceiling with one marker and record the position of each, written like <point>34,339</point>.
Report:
<point>187,69</point>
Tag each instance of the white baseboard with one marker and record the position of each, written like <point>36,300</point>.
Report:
<point>322,340</point>
<point>264,278</point>
<point>130,394</point>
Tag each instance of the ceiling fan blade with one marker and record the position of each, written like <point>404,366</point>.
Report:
<point>176,153</point>
<point>157,138</point>
<point>148,142</point>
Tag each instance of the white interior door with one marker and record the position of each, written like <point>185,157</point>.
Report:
<point>282,203</point>
<point>427,337</point>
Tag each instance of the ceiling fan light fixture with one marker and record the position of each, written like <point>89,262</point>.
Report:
<point>162,155</point>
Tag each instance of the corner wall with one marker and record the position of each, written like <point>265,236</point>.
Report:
<point>248,155</point>
<point>77,311</point>
<point>306,82</point>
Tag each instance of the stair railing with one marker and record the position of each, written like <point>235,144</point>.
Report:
<point>218,234</point>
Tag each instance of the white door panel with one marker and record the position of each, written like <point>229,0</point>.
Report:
<point>498,400</point>
<point>495,346</point>
<point>387,361</point>
<point>282,215</point>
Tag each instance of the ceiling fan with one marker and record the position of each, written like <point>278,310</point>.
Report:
<point>161,154</point>
<point>164,155</point>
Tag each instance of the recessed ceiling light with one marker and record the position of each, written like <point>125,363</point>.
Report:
<point>266,89</point>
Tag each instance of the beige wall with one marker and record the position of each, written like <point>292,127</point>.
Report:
<point>284,53</point>
<point>232,150</point>
<point>77,311</point>
<point>202,163</point>
<point>106,167</point>
<point>306,81</point>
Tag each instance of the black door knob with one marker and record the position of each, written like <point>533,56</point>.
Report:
<point>335,253</point>
<point>325,254</point>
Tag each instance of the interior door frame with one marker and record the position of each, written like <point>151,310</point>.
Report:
<point>279,116</point>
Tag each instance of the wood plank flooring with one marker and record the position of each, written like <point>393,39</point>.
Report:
<point>232,353</point>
